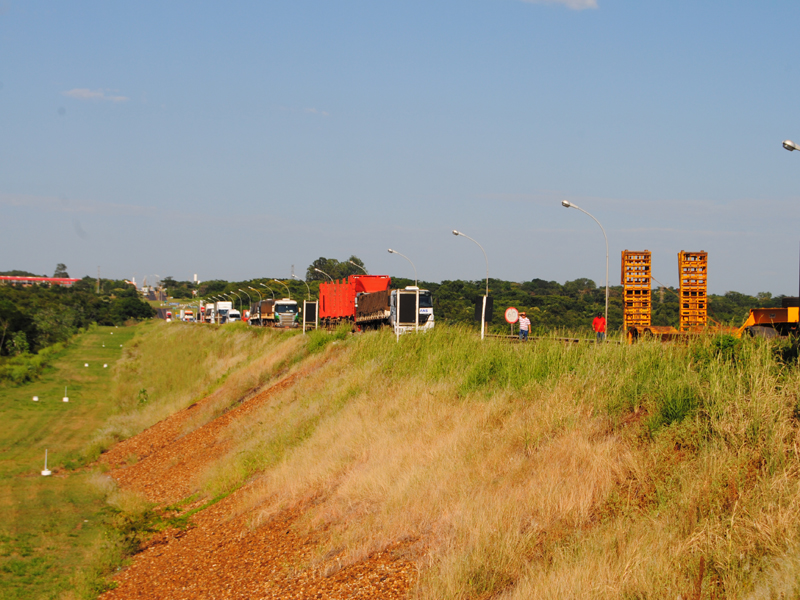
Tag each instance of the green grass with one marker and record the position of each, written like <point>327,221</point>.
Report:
<point>51,525</point>
<point>543,469</point>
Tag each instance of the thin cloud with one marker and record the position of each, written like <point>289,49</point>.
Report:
<point>314,111</point>
<point>60,205</point>
<point>87,94</point>
<point>573,4</point>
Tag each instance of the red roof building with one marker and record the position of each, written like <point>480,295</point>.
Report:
<point>64,281</point>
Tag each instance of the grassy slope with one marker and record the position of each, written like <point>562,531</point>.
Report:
<point>49,523</point>
<point>540,470</point>
<point>522,471</point>
<point>53,531</point>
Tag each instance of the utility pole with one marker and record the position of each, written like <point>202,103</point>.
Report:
<point>98,280</point>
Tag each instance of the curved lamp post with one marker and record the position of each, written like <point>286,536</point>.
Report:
<point>240,301</point>
<point>249,300</point>
<point>260,298</point>
<point>568,204</point>
<point>304,281</point>
<point>409,260</point>
<point>324,273</point>
<point>269,288</point>
<point>790,145</point>
<point>359,266</point>
<point>486,297</point>
<point>286,286</point>
<point>416,285</point>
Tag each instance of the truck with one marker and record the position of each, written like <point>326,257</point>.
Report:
<point>222,309</point>
<point>773,322</point>
<point>209,314</point>
<point>368,302</point>
<point>274,313</point>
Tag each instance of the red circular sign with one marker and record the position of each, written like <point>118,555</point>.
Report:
<point>512,315</point>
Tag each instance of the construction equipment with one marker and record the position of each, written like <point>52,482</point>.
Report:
<point>636,297</point>
<point>637,303</point>
<point>773,322</point>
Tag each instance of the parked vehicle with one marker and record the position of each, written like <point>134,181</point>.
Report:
<point>274,313</point>
<point>222,310</point>
<point>773,322</point>
<point>368,302</point>
<point>209,314</point>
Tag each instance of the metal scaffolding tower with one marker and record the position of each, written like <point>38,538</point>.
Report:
<point>636,309</point>
<point>693,274</point>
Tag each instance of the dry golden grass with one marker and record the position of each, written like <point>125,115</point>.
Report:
<point>169,366</point>
<point>527,471</point>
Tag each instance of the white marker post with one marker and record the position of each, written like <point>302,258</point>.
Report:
<point>36,398</point>
<point>65,398</point>
<point>46,471</point>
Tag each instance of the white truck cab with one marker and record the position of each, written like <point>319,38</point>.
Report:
<point>410,310</point>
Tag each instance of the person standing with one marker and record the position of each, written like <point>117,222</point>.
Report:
<point>599,326</point>
<point>524,327</point>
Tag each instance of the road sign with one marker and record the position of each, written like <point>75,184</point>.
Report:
<point>512,315</point>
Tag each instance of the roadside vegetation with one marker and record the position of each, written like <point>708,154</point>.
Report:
<point>37,321</point>
<point>506,470</point>
<point>532,470</point>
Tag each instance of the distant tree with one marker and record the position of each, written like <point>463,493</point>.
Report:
<point>61,270</point>
<point>17,273</point>
<point>213,286</point>
<point>131,308</point>
<point>54,324</point>
<point>18,343</point>
<point>333,268</point>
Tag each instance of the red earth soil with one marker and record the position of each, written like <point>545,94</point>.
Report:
<point>221,555</point>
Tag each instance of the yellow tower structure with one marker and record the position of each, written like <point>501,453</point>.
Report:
<point>636,289</point>
<point>693,274</point>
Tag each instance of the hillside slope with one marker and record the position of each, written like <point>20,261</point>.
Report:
<point>440,467</point>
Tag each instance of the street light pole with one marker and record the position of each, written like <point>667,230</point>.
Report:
<point>790,145</point>
<point>568,204</point>
<point>260,298</point>
<point>324,273</point>
<point>486,297</point>
<point>409,260</point>
<point>286,286</point>
<point>359,266</point>
<point>240,301</point>
<point>269,288</point>
<point>304,281</point>
<point>416,285</point>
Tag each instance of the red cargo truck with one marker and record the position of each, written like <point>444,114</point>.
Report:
<point>337,299</point>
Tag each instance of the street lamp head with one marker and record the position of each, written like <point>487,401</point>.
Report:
<point>392,251</point>
<point>456,232</point>
<point>566,204</point>
<point>790,145</point>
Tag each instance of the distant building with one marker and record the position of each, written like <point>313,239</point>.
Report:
<point>26,281</point>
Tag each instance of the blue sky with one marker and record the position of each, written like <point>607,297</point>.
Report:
<point>236,140</point>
